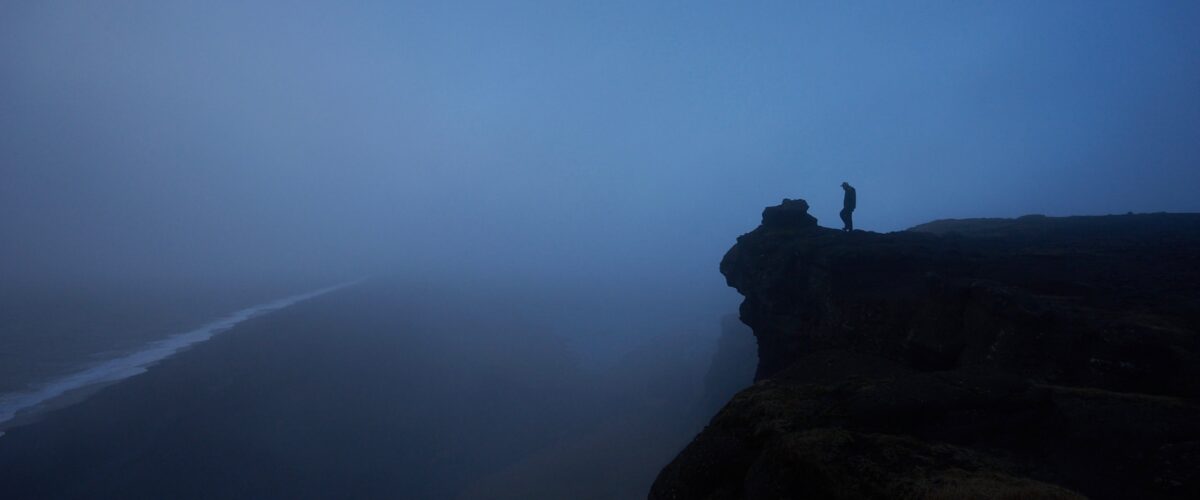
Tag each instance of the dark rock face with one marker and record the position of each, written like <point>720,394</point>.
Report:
<point>789,214</point>
<point>1030,358</point>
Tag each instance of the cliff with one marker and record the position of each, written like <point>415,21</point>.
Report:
<point>1036,357</point>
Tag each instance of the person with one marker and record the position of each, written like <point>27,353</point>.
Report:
<point>848,204</point>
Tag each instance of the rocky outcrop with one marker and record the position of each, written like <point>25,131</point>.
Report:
<point>1027,358</point>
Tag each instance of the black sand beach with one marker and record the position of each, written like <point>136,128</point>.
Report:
<point>377,391</point>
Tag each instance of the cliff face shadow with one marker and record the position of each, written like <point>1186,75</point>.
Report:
<point>1034,357</point>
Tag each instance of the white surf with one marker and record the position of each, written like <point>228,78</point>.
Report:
<point>137,362</point>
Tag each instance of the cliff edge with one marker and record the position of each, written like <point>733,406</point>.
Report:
<point>1036,357</point>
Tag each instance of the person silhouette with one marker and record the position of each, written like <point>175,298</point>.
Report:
<point>848,204</point>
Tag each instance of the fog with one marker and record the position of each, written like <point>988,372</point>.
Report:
<point>605,143</point>
<point>594,159</point>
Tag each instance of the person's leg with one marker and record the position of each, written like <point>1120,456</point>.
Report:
<point>845,219</point>
<point>849,220</point>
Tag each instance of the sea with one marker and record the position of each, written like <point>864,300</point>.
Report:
<point>55,346</point>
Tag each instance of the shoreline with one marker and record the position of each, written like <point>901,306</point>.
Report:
<point>72,397</point>
<point>22,408</point>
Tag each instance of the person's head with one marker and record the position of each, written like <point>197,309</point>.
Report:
<point>845,185</point>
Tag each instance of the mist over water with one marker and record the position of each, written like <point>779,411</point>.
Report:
<point>137,362</point>
<point>576,169</point>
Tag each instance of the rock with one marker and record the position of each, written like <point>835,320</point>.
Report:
<point>1039,357</point>
<point>788,214</point>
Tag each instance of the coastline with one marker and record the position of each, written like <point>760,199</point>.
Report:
<point>382,391</point>
<point>17,409</point>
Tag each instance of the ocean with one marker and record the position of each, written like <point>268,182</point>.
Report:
<point>50,350</point>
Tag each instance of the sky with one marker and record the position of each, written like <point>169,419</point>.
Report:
<point>613,144</point>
